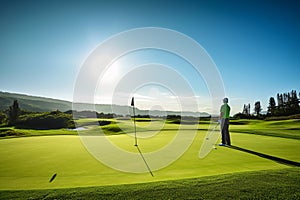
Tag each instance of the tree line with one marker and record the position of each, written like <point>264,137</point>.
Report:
<point>286,104</point>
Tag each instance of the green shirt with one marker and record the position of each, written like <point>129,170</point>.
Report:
<point>225,109</point>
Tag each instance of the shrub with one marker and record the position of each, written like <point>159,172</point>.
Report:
<point>47,120</point>
<point>9,132</point>
<point>3,118</point>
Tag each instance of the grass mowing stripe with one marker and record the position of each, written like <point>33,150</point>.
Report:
<point>267,184</point>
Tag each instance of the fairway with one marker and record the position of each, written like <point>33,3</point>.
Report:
<point>30,162</point>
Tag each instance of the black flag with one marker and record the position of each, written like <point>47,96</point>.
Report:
<point>132,101</point>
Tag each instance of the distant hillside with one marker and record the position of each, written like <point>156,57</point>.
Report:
<point>33,103</point>
<point>42,104</point>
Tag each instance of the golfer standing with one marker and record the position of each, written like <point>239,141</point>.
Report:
<point>224,120</point>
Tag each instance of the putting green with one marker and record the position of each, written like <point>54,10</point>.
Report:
<point>30,162</point>
<point>280,147</point>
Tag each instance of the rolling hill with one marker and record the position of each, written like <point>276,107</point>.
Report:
<point>43,104</point>
<point>33,103</point>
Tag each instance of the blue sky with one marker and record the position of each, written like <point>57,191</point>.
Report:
<point>254,44</point>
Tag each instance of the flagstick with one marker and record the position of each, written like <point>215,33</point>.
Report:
<point>136,144</point>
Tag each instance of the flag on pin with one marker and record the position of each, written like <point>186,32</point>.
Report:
<point>132,101</point>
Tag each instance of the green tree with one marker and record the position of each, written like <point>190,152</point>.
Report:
<point>280,104</point>
<point>257,108</point>
<point>3,118</point>
<point>272,106</point>
<point>294,102</point>
<point>287,103</point>
<point>246,109</point>
<point>13,113</point>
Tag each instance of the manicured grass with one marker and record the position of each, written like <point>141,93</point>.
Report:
<point>270,184</point>
<point>275,146</point>
<point>284,128</point>
<point>16,133</point>
<point>30,162</point>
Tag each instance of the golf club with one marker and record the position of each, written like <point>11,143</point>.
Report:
<point>209,142</point>
<point>208,137</point>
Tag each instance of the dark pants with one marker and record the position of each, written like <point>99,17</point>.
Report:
<point>225,131</point>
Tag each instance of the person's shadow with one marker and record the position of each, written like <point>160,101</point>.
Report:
<point>276,159</point>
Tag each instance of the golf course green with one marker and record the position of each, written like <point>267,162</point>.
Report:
<point>29,163</point>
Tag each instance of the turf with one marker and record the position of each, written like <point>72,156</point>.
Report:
<point>275,146</point>
<point>16,133</point>
<point>270,184</point>
<point>54,159</point>
<point>283,128</point>
<point>32,161</point>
